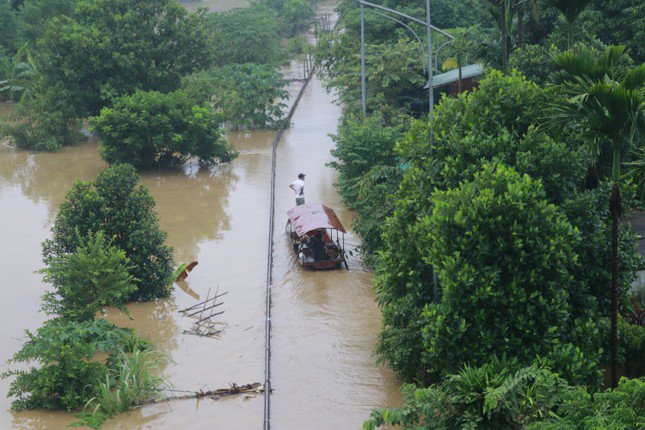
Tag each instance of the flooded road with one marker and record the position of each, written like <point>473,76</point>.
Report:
<point>324,323</point>
<point>215,5</point>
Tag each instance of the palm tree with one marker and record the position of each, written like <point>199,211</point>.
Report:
<point>504,10</point>
<point>608,102</point>
<point>463,48</point>
<point>571,9</point>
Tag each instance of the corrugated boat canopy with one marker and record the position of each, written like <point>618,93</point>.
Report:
<point>306,218</point>
<point>467,72</point>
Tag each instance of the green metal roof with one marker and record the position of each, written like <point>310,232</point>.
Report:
<point>470,71</point>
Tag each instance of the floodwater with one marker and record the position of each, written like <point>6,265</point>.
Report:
<point>215,5</point>
<point>324,323</point>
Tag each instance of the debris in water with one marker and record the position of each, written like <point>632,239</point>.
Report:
<point>183,270</point>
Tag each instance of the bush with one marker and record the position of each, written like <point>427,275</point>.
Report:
<point>110,48</point>
<point>534,61</point>
<point>361,145</point>
<point>374,203</point>
<point>148,129</point>
<point>294,16</point>
<point>93,276</point>
<point>588,211</point>
<point>617,409</point>
<point>504,259</point>
<point>67,379</point>
<point>44,122</point>
<point>114,205</point>
<point>248,95</point>
<point>498,395</point>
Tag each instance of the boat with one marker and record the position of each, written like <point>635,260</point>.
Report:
<point>316,236</point>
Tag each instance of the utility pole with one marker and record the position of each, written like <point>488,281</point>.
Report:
<point>363,89</point>
<point>429,36</point>
<point>429,28</point>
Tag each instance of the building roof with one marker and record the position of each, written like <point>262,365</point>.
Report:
<point>471,71</point>
<point>306,218</point>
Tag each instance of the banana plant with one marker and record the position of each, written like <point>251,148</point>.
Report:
<point>22,74</point>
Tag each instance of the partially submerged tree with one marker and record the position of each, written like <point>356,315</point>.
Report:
<point>149,129</point>
<point>114,205</point>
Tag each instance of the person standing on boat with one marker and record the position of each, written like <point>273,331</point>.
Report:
<point>298,187</point>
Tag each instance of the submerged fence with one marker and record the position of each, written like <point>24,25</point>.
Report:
<point>269,278</point>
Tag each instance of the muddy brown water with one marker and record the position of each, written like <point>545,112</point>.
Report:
<point>324,323</point>
<point>215,5</point>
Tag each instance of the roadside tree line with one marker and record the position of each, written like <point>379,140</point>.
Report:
<point>490,230</point>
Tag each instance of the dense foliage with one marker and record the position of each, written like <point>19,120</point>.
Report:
<point>453,212</point>
<point>248,95</point>
<point>149,129</point>
<point>94,276</point>
<point>502,395</point>
<point>106,37</point>
<point>503,257</point>
<point>247,35</point>
<point>67,378</point>
<point>91,53</point>
<point>124,212</point>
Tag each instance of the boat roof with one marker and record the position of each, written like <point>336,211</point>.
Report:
<point>306,218</point>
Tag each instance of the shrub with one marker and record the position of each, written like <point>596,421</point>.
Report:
<point>114,205</point>
<point>248,35</point>
<point>44,123</point>
<point>534,61</point>
<point>93,276</point>
<point>498,395</point>
<point>617,409</point>
<point>504,258</point>
<point>148,129</point>
<point>587,210</point>
<point>362,144</point>
<point>66,379</point>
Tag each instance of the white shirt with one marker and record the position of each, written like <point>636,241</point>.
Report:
<point>299,186</point>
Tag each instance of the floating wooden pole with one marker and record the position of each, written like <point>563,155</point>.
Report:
<point>234,389</point>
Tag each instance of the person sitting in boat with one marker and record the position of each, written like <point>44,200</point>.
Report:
<point>305,253</point>
<point>317,246</point>
<point>332,251</point>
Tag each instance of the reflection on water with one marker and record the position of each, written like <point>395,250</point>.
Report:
<point>195,207</point>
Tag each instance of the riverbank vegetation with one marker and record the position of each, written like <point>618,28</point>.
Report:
<point>71,61</point>
<point>106,250</point>
<point>489,227</point>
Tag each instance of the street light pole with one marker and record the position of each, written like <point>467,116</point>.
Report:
<point>363,89</point>
<point>429,35</point>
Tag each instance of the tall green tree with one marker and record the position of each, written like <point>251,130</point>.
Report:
<point>247,35</point>
<point>608,102</point>
<point>8,28</point>
<point>571,9</point>
<point>113,47</point>
<point>34,14</point>
<point>125,213</point>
